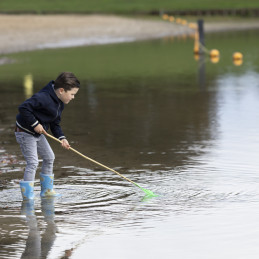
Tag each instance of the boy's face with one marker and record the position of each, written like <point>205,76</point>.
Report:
<point>67,96</point>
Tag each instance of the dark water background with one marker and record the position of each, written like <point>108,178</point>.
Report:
<point>186,129</point>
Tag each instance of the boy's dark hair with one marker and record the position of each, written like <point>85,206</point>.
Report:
<point>66,80</point>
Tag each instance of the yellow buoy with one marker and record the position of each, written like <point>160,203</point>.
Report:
<point>192,25</point>
<point>237,58</point>
<point>178,20</point>
<point>165,16</point>
<point>171,19</point>
<point>196,48</point>
<point>214,53</point>
<point>184,22</point>
<point>237,55</point>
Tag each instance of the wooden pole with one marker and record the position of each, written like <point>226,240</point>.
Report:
<point>201,36</point>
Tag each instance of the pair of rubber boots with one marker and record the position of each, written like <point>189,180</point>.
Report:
<point>46,182</point>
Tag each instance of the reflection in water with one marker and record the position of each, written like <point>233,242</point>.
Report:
<point>28,85</point>
<point>130,125</point>
<point>237,62</point>
<point>201,72</point>
<point>49,236</point>
<point>37,245</point>
<point>32,248</point>
<point>214,59</point>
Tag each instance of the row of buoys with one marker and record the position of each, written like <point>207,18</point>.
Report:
<point>237,57</point>
<point>180,21</point>
<point>214,54</point>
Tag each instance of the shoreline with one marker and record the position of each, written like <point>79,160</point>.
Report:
<point>21,33</point>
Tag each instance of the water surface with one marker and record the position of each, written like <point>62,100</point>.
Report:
<point>185,129</point>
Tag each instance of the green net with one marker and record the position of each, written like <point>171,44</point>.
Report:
<point>147,192</point>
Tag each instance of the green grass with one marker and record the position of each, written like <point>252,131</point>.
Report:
<point>119,6</point>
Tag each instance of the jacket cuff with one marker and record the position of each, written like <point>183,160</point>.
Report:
<point>62,137</point>
<point>35,124</point>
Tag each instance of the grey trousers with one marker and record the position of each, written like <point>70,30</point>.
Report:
<point>32,146</point>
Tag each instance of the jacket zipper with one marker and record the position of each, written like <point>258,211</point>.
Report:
<point>57,110</point>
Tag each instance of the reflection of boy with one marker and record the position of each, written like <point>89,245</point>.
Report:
<point>37,114</point>
<point>38,246</point>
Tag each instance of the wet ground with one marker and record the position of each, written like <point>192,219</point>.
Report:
<point>195,146</point>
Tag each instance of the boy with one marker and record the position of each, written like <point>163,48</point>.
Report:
<point>37,114</point>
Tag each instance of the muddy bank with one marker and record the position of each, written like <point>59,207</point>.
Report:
<point>30,32</point>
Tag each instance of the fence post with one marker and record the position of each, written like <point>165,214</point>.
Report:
<point>201,35</point>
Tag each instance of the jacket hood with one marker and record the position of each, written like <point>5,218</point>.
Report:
<point>49,88</point>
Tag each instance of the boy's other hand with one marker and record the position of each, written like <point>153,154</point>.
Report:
<point>65,144</point>
<point>39,129</point>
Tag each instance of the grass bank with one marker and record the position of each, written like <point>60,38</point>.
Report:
<point>116,6</point>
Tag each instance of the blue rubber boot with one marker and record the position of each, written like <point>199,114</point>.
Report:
<point>27,189</point>
<point>46,182</point>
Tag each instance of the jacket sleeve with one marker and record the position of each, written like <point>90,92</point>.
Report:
<point>56,129</point>
<point>26,110</point>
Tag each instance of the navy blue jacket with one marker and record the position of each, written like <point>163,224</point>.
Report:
<point>43,108</point>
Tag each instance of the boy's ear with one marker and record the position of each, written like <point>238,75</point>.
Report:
<point>61,90</point>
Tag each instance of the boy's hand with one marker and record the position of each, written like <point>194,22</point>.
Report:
<point>39,129</point>
<point>65,144</point>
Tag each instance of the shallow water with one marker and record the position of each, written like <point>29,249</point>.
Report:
<point>195,146</point>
